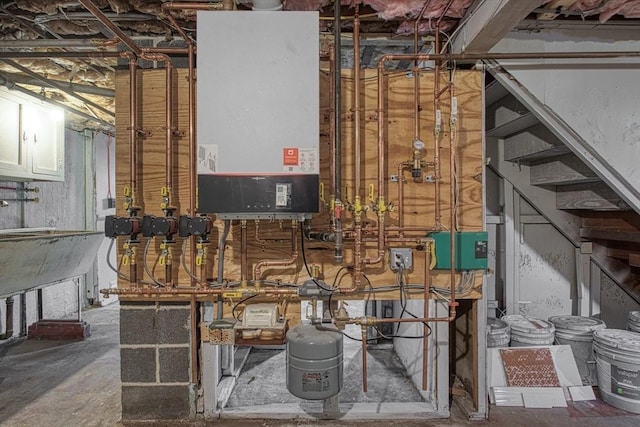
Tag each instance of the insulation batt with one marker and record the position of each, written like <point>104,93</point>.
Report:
<point>626,8</point>
<point>411,8</point>
<point>305,4</point>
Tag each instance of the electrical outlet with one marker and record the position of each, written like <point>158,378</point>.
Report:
<point>400,257</point>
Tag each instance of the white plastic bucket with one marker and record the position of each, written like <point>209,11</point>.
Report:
<point>527,331</point>
<point>577,331</point>
<point>633,321</point>
<point>617,354</point>
<point>497,333</point>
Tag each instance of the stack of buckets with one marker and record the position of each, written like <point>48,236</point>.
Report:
<point>498,333</point>
<point>527,331</point>
<point>577,331</point>
<point>633,321</point>
<point>617,355</point>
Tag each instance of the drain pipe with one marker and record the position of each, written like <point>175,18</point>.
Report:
<point>9,320</point>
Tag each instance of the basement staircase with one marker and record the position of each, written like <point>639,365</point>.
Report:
<point>570,194</point>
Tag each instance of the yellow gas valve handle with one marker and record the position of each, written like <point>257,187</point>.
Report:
<point>322,192</point>
<point>199,260</point>
<point>125,259</point>
<point>372,197</point>
<point>127,192</point>
<point>164,191</point>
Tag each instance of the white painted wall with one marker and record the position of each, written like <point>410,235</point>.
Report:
<point>105,147</point>
<point>410,353</point>
<point>615,304</point>
<point>62,205</point>
<point>598,99</point>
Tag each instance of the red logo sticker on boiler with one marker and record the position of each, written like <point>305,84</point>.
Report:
<point>290,157</point>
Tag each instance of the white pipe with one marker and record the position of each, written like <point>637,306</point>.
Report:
<point>267,5</point>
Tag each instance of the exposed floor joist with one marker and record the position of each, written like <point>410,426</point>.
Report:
<point>487,24</point>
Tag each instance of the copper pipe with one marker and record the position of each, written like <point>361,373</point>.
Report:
<point>356,104</point>
<point>338,244</point>
<point>381,207</point>
<point>133,125</point>
<point>194,341</point>
<point>192,6</point>
<point>332,123</point>
<point>104,20</point>
<point>425,327</point>
<point>192,155</point>
<point>167,9</point>
<point>364,358</point>
<point>168,50</point>
<point>436,148</point>
<point>411,228</point>
<point>416,73</point>
<point>443,90</point>
<point>188,291</point>
<point>133,154</point>
<point>70,55</point>
<point>444,12</point>
<point>243,252</point>
<point>401,167</point>
<point>357,251</point>
<point>452,206</point>
<point>280,262</point>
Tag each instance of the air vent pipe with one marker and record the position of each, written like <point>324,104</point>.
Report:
<point>267,5</point>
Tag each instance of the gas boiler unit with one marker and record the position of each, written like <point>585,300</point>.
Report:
<point>258,114</point>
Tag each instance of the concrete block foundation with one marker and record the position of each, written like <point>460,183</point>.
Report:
<point>155,360</point>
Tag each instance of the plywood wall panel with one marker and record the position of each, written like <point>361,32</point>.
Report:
<point>419,209</point>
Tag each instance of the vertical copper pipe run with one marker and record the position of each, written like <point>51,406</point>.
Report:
<point>243,252</point>
<point>337,123</point>
<point>436,153</point>
<point>168,8</point>
<point>356,103</point>
<point>452,202</point>
<point>364,359</point>
<point>133,152</point>
<point>425,327</point>
<point>168,203</point>
<point>192,162</point>
<point>169,124</point>
<point>399,208</point>
<point>332,123</point>
<point>357,252</point>
<point>381,160</point>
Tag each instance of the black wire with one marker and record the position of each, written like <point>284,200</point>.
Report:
<point>336,284</point>
<point>233,310</point>
<point>403,304</point>
<point>304,260</point>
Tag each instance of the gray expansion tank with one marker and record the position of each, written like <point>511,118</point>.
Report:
<point>314,362</point>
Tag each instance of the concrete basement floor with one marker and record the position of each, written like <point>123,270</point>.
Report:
<point>78,384</point>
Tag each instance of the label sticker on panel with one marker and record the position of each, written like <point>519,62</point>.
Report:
<point>290,157</point>
<point>283,195</point>
<point>301,160</point>
<point>207,159</point>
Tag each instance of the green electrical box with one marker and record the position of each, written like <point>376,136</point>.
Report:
<point>470,246</point>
